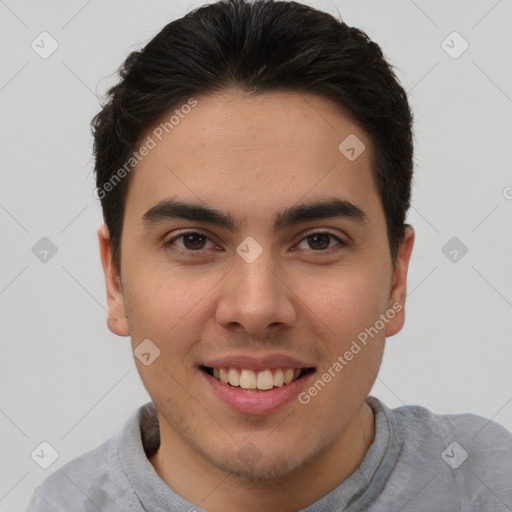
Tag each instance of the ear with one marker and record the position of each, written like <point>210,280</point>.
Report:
<point>117,321</point>
<point>398,291</point>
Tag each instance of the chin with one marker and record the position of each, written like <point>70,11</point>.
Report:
<point>262,470</point>
<point>250,465</point>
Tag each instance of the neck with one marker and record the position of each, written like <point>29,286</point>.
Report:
<point>200,483</point>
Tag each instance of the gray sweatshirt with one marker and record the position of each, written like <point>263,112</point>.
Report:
<point>418,462</point>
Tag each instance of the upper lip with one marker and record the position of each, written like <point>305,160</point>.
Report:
<point>257,363</point>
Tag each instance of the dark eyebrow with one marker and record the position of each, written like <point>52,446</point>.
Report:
<point>331,208</point>
<point>171,208</point>
<point>318,210</point>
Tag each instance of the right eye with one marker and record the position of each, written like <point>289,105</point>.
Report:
<point>192,241</point>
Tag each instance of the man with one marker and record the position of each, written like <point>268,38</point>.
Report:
<point>254,167</point>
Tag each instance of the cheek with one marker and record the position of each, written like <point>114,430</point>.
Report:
<point>346,311</point>
<point>346,300</point>
<point>162,299</point>
<point>163,309</point>
<point>158,314</point>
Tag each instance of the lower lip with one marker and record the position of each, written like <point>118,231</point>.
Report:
<point>256,402</point>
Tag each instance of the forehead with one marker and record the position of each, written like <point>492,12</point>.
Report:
<point>252,154</point>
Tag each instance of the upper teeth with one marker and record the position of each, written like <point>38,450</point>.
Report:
<point>248,379</point>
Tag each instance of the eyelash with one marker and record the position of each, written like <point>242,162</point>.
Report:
<point>341,243</point>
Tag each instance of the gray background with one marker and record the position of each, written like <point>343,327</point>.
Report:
<point>67,380</point>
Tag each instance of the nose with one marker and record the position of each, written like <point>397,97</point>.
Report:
<point>256,297</point>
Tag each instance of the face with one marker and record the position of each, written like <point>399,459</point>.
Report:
<point>254,250</point>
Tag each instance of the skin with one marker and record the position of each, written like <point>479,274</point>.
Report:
<point>253,156</point>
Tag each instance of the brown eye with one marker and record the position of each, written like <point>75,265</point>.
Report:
<point>321,240</point>
<point>189,241</point>
<point>194,241</point>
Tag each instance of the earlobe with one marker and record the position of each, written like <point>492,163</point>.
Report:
<point>117,321</point>
<point>398,291</point>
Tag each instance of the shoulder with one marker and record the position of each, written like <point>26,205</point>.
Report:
<point>92,481</point>
<point>471,452</point>
<point>415,422</point>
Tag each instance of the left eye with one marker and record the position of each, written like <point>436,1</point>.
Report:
<point>321,240</point>
<point>194,241</point>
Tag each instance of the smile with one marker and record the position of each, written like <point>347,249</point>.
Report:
<point>256,380</point>
<point>259,391</point>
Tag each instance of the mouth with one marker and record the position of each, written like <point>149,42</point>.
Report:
<point>256,384</point>
<point>257,381</point>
